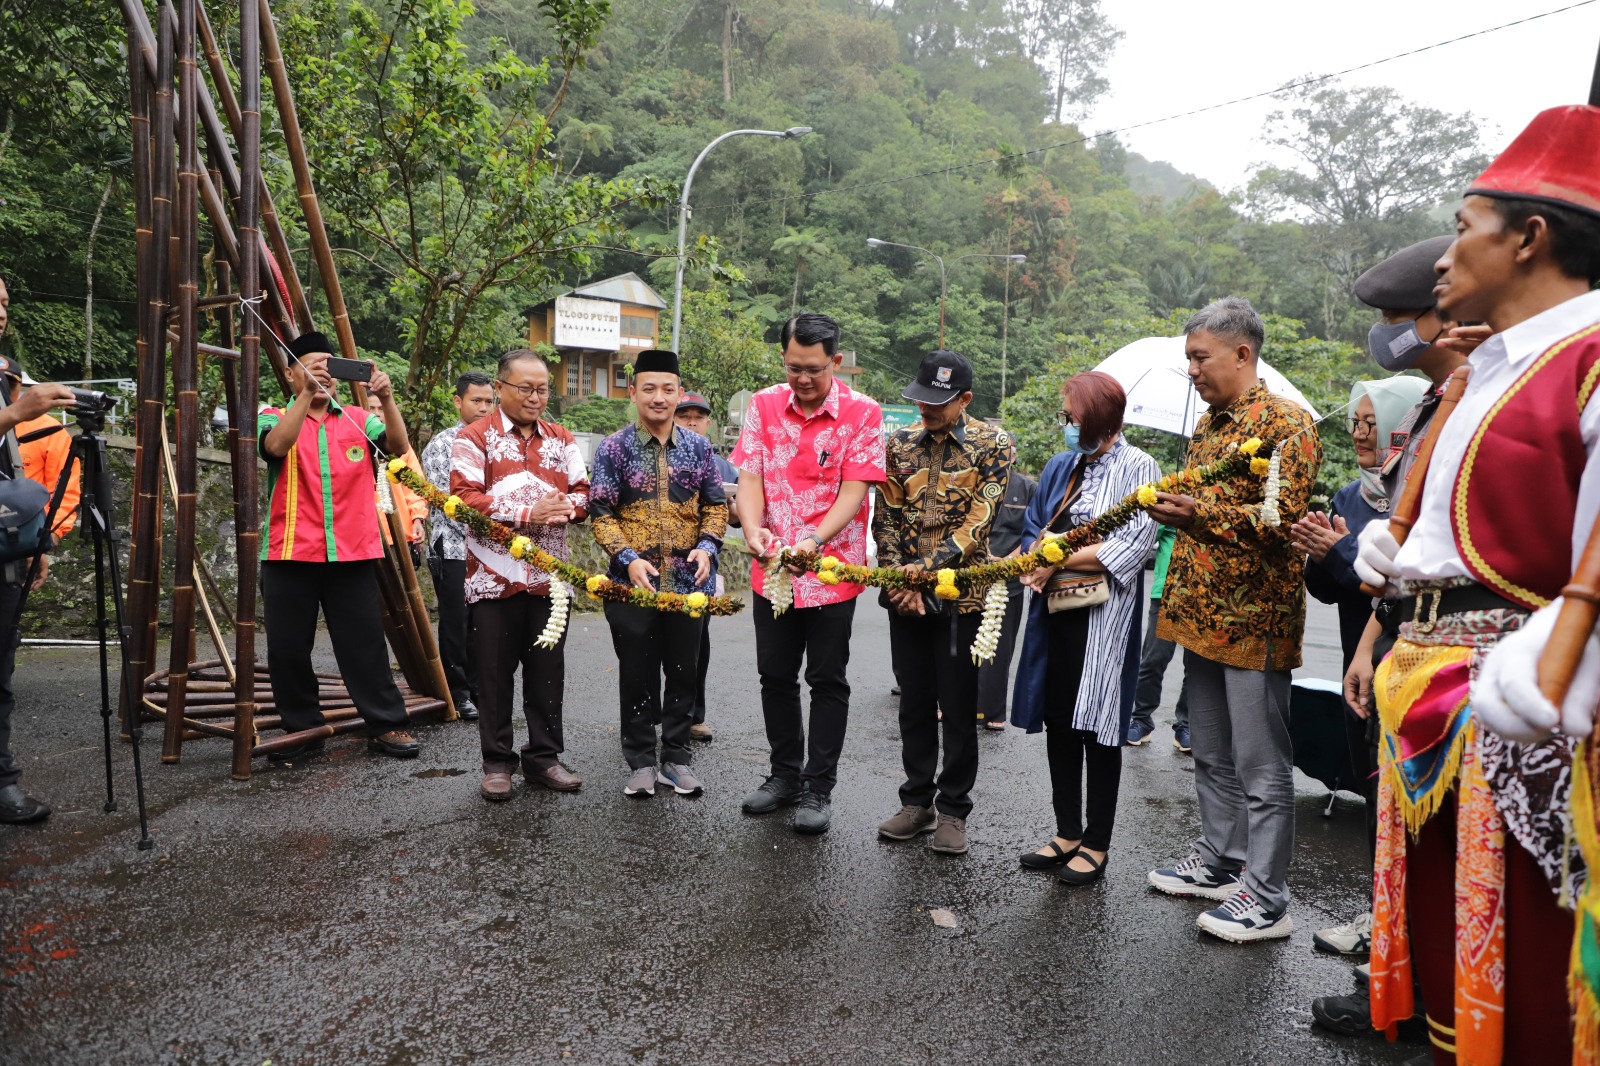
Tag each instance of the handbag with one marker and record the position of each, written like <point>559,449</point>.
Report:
<point>23,532</point>
<point>1069,590</point>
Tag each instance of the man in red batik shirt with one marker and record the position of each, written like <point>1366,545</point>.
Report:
<point>518,469</point>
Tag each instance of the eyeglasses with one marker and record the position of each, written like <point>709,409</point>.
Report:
<point>806,371</point>
<point>525,391</point>
<point>1360,427</point>
<point>1064,418</point>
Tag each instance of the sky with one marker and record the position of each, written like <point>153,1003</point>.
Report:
<point>1179,54</point>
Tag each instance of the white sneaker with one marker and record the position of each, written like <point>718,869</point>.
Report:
<point>1242,920</point>
<point>1194,877</point>
<point>641,782</point>
<point>1354,938</point>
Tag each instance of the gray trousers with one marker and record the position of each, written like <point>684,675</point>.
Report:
<point>1243,773</point>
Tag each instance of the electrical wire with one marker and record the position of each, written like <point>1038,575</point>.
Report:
<point>1301,83</point>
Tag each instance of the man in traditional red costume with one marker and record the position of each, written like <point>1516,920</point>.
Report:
<point>1474,863</point>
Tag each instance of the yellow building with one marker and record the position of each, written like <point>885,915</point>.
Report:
<point>597,329</point>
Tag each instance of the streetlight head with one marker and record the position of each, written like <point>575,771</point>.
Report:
<point>1017,258</point>
<point>873,242</point>
<point>797,131</point>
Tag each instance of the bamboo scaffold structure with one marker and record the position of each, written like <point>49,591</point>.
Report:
<point>195,168</point>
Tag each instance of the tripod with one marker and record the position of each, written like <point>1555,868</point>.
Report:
<point>95,511</point>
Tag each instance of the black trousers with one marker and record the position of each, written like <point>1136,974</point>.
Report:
<point>10,638</point>
<point>994,677</point>
<point>655,646</point>
<point>503,632</point>
<point>347,596</point>
<point>1072,750</point>
<point>699,716</point>
<point>820,638</point>
<point>939,682</point>
<point>1153,660</point>
<point>449,588</point>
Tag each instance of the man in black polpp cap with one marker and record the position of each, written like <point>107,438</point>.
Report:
<point>946,480</point>
<point>694,415</point>
<point>1409,335</point>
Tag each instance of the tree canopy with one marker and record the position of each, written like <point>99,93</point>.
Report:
<point>475,158</point>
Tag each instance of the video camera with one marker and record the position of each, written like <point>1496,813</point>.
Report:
<point>91,406</point>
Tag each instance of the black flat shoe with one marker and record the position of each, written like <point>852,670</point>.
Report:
<point>306,750</point>
<point>1079,878</point>
<point>19,808</point>
<point>1034,861</point>
<point>467,710</point>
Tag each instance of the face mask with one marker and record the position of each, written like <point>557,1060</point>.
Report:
<point>1070,433</point>
<point>1396,346</point>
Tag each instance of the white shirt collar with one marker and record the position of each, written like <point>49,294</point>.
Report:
<point>1529,338</point>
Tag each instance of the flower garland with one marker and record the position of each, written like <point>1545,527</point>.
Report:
<point>596,586</point>
<point>947,584</point>
<point>985,644</point>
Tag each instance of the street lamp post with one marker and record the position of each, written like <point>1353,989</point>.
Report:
<point>873,242</point>
<point>683,210</point>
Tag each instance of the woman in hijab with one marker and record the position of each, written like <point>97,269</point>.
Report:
<point>1329,541</point>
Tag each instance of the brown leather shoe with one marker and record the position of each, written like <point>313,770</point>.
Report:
<point>496,787</point>
<point>557,778</point>
<point>396,742</point>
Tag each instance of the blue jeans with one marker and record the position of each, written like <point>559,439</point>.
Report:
<point>1153,659</point>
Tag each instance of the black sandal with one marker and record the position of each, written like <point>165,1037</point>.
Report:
<point>1079,878</point>
<point>1034,861</point>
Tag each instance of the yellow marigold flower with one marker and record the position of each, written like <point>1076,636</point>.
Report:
<point>595,583</point>
<point>1251,446</point>
<point>829,562</point>
<point>395,466</point>
<point>1146,495</point>
<point>696,614</point>
<point>1052,552</point>
<point>696,602</point>
<point>1260,466</point>
<point>520,547</point>
<point>450,506</point>
<point>947,592</point>
<point>828,577</point>
<point>947,576</point>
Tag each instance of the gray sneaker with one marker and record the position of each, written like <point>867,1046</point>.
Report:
<point>681,778</point>
<point>812,813</point>
<point>642,782</point>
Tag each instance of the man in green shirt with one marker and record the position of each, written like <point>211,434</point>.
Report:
<point>1153,660</point>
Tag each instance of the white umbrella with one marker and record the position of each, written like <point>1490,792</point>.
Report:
<point>1154,373</point>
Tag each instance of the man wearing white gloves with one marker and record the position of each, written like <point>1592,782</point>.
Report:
<point>1472,852</point>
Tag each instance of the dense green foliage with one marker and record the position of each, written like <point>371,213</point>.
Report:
<point>474,159</point>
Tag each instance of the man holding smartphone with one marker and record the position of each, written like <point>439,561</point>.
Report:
<point>321,549</point>
<point>659,511</point>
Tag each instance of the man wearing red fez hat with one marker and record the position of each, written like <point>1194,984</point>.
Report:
<point>1475,875</point>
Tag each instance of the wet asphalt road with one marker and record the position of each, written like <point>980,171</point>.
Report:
<point>363,910</point>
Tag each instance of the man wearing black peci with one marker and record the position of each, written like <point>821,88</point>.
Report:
<point>320,547</point>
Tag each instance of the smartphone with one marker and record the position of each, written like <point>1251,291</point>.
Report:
<point>349,369</point>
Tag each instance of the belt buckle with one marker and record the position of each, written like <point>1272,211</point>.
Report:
<point>1425,624</point>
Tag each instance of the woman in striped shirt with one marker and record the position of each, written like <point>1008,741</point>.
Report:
<point>1072,680</point>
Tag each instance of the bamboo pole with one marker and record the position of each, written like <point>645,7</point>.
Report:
<point>184,384</point>
<point>310,208</point>
<point>145,566</point>
<point>242,418</point>
<point>139,123</point>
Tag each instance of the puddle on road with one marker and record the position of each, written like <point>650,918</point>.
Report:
<point>444,771</point>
